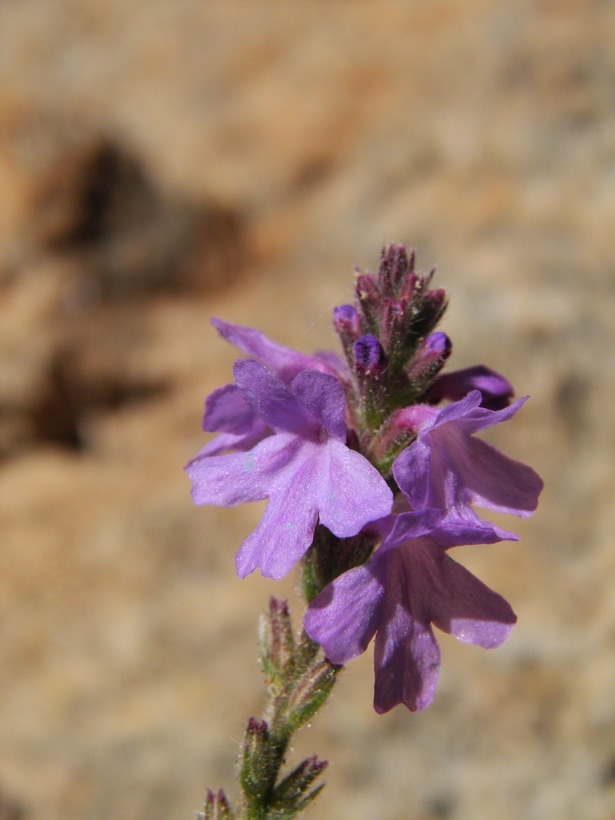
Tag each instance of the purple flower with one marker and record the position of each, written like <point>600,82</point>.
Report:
<point>496,391</point>
<point>304,468</point>
<point>448,470</point>
<point>226,410</point>
<point>409,584</point>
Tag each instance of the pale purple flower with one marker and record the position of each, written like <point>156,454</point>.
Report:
<point>409,584</point>
<point>226,410</point>
<point>447,469</point>
<point>304,468</point>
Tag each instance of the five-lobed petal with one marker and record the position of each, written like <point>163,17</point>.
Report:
<point>304,468</point>
<point>409,584</point>
<point>447,469</point>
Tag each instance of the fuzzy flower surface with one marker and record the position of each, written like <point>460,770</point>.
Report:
<point>304,468</point>
<point>449,470</point>
<point>408,586</point>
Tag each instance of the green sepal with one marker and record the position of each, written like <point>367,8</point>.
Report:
<point>310,693</point>
<point>291,795</point>
<point>216,807</point>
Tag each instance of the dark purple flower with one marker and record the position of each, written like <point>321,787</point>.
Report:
<point>304,468</point>
<point>409,584</point>
<point>448,470</point>
<point>496,391</point>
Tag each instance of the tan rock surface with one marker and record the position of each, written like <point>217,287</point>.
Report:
<point>163,162</point>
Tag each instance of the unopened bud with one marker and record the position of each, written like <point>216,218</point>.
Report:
<point>370,366</point>
<point>396,330</point>
<point>276,640</point>
<point>397,433</point>
<point>428,361</point>
<point>257,760</point>
<point>346,319</point>
<point>216,806</point>
<point>394,266</point>
<point>369,301</point>
<point>429,311</point>
<point>348,327</point>
<point>369,356</point>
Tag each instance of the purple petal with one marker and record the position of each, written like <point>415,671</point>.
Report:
<point>286,363</point>
<point>431,478</point>
<point>226,410</point>
<point>495,390</point>
<point>344,616</point>
<point>470,417</point>
<point>497,482</point>
<point>286,530</point>
<point>323,396</point>
<point>329,363</point>
<point>350,492</point>
<point>406,663</point>
<point>463,606</point>
<point>271,399</point>
<point>406,654</point>
<point>447,469</point>
<point>237,478</point>
<point>323,479</point>
<point>424,586</point>
<point>410,525</point>
<point>226,442</point>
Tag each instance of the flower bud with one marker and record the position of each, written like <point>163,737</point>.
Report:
<point>429,311</point>
<point>369,300</point>
<point>346,320</point>
<point>276,639</point>
<point>428,361</point>
<point>369,356</point>
<point>347,326</point>
<point>370,365</point>
<point>257,760</point>
<point>394,266</point>
<point>216,806</point>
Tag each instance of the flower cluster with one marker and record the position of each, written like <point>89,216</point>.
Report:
<point>372,474</point>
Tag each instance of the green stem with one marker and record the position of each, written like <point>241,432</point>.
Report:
<point>299,681</point>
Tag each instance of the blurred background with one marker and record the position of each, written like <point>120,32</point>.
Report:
<point>162,162</point>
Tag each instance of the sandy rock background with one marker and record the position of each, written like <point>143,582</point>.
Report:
<point>161,162</point>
